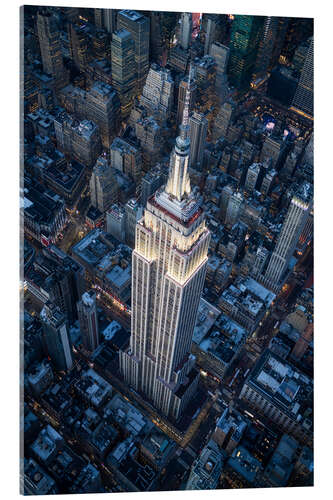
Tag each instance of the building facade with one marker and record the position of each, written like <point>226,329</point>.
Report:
<point>169,266</point>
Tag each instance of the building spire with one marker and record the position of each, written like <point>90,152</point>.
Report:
<point>184,127</point>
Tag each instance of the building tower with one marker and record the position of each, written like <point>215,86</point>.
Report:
<point>245,35</point>
<point>123,69</point>
<point>55,328</point>
<point>138,25</point>
<point>297,215</point>
<point>252,176</point>
<point>109,20</point>
<point>157,93</point>
<point>303,99</point>
<point>87,313</point>
<point>169,266</point>
<point>50,47</point>
<point>103,187</point>
<point>266,45</point>
<point>221,55</point>
<point>234,207</point>
<point>198,134</point>
<point>78,45</point>
<point>186,30</point>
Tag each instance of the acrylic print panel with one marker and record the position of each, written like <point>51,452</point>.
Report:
<point>167,198</point>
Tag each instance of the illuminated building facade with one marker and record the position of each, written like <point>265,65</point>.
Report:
<point>297,216</point>
<point>138,25</point>
<point>169,266</point>
<point>123,69</point>
<point>303,99</point>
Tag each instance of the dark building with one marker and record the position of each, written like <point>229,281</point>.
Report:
<point>244,44</point>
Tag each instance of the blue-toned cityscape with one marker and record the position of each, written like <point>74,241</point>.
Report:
<point>166,205</point>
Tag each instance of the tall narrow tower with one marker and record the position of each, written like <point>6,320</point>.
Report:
<point>303,99</point>
<point>186,30</point>
<point>50,47</point>
<point>169,267</point>
<point>298,213</point>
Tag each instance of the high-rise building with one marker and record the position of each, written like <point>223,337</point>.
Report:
<point>198,134</point>
<point>80,140</point>
<point>126,158</point>
<point>187,84</point>
<point>233,210</point>
<point>221,55</point>
<point>266,45</point>
<point>87,314</point>
<point>303,100</point>
<point>297,215</point>
<point>109,20</point>
<point>212,28</point>
<point>157,93</point>
<point>138,25</point>
<point>267,182</point>
<point>63,280</point>
<point>272,150</point>
<point>169,267</point>
<point>103,188</point>
<point>78,45</point>
<point>149,133</point>
<point>259,261</point>
<point>50,47</point>
<point>152,181</point>
<point>123,69</point>
<point>226,193</point>
<point>223,120</point>
<point>116,222</point>
<point>185,30</point>
<point>245,36</point>
<point>102,106</point>
<point>133,213</point>
<point>252,177</point>
<point>56,337</point>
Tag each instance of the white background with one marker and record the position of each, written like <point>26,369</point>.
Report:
<point>9,264</point>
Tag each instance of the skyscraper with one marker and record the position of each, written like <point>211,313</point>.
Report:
<point>252,177</point>
<point>157,94</point>
<point>221,55</point>
<point>245,35</point>
<point>169,267</point>
<point>138,25</point>
<point>198,134</point>
<point>103,187</point>
<point>303,99</point>
<point>78,45</point>
<point>266,45</point>
<point>56,337</point>
<point>297,215</point>
<point>185,30</point>
<point>50,47</point>
<point>123,69</point>
<point>87,313</point>
<point>234,205</point>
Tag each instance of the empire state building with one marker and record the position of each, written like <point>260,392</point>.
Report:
<point>168,272</point>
